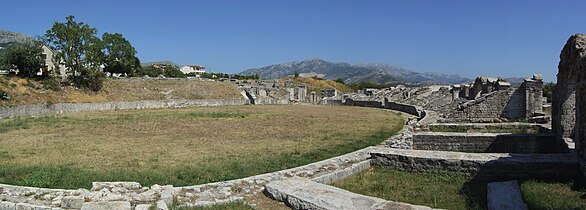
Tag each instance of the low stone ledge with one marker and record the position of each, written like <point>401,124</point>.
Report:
<point>107,205</point>
<point>342,174</point>
<point>491,166</point>
<point>505,196</point>
<point>301,193</point>
<point>489,126</point>
<point>30,110</point>
<point>489,142</point>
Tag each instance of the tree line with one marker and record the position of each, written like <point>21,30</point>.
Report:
<point>84,57</point>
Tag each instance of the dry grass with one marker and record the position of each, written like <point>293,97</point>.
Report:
<point>180,142</point>
<point>28,91</point>
<point>318,85</point>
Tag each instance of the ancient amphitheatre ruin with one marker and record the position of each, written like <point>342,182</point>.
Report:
<point>490,131</point>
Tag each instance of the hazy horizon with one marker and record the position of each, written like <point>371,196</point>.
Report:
<point>493,38</point>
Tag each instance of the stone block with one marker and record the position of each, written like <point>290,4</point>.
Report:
<point>106,205</point>
<point>5,205</point>
<point>301,193</point>
<point>72,202</point>
<point>505,196</point>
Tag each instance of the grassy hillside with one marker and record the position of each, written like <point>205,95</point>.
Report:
<point>318,85</point>
<point>27,91</point>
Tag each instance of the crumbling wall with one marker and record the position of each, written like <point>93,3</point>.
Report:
<point>498,101</point>
<point>491,107</point>
<point>564,94</point>
<point>569,95</point>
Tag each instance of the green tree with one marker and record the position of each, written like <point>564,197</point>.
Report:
<point>119,55</point>
<point>149,71</point>
<point>548,90</point>
<point>173,72</point>
<point>27,58</point>
<point>78,49</point>
<point>75,44</point>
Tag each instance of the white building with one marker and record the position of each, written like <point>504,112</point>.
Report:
<point>197,70</point>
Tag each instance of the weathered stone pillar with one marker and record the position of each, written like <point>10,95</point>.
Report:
<point>564,94</point>
<point>580,66</point>
<point>533,93</point>
<point>580,137</point>
<point>302,92</point>
<point>456,91</point>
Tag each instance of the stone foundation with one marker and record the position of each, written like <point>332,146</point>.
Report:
<point>488,142</point>
<point>487,166</point>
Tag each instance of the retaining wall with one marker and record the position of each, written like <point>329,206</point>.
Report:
<point>410,109</point>
<point>351,102</point>
<point>271,101</point>
<point>463,127</point>
<point>489,166</point>
<point>488,142</point>
<point>62,108</point>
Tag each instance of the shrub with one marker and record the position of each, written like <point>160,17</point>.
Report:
<point>89,79</point>
<point>173,72</point>
<point>51,83</point>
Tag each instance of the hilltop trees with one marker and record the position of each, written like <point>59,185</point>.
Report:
<point>75,44</point>
<point>83,54</point>
<point>119,55</point>
<point>26,57</point>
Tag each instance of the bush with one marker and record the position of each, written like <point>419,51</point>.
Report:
<point>51,83</point>
<point>173,72</point>
<point>89,79</point>
<point>4,95</point>
<point>149,71</point>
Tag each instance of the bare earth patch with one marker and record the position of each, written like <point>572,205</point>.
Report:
<point>182,146</point>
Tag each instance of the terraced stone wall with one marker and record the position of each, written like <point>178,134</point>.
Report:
<point>488,142</point>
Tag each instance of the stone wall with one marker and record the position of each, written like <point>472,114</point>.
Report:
<point>487,166</point>
<point>494,106</point>
<point>564,102</point>
<point>465,127</point>
<point>351,102</point>
<point>410,109</point>
<point>488,142</point>
<point>62,108</point>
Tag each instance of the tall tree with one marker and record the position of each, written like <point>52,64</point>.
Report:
<point>119,55</point>
<point>75,45</point>
<point>27,58</point>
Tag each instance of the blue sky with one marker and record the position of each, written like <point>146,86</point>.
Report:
<point>470,38</point>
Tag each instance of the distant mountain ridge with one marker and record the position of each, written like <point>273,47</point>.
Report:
<point>350,73</point>
<point>9,37</point>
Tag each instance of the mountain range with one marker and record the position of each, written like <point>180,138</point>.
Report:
<point>8,37</point>
<point>354,73</point>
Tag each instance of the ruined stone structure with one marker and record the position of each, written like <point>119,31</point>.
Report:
<point>269,92</point>
<point>569,96</point>
<point>491,99</point>
<point>564,103</point>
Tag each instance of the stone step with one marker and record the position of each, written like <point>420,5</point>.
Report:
<point>301,193</point>
<point>505,196</point>
<point>492,166</point>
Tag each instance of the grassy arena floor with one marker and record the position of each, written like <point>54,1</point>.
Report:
<point>448,190</point>
<point>182,146</point>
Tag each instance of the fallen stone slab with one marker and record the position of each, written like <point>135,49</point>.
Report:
<point>302,193</point>
<point>505,196</point>
<point>106,205</point>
